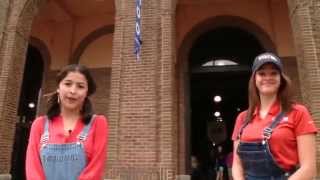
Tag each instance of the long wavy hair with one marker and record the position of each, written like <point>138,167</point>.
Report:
<point>53,104</point>
<point>284,95</point>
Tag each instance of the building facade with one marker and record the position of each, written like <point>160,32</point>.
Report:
<point>148,102</point>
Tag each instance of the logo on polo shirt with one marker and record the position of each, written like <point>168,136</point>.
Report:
<point>285,119</point>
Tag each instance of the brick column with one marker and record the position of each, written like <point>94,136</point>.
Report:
<point>167,109</point>
<point>141,112</point>
<point>4,7</point>
<point>12,59</point>
<point>8,97</point>
<point>114,104</point>
<point>305,20</point>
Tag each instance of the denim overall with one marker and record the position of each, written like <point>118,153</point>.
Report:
<point>63,161</point>
<point>257,160</point>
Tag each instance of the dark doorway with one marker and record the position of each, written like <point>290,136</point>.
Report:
<point>220,62</point>
<point>31,84</point>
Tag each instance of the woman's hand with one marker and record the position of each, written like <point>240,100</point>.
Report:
<point>307,158</point>
<point>237,171</point>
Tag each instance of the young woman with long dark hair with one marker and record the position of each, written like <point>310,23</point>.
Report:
<point>275,138</point>
<point>70,141</point>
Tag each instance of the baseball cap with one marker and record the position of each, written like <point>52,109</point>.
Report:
<point>265,58</point>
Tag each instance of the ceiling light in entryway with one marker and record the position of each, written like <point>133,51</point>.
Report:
<point>217,114</point>
<point>217,98</point>
<point>220,62</point>
<point>31,105</point>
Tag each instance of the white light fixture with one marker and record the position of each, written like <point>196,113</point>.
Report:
<point>31,105</point>
<point>217,114</point>
<point>217,98</point>
<point>219,62</point>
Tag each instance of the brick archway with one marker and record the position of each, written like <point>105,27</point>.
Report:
<point>46,57</point>
<point>183,73</point>
<point>12,56</point>
<point>89,39</point>
<point>44,51</point>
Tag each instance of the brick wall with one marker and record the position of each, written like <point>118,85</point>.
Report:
<point>305,19</point>
<point>291,69</point>
<point>12,54</point>
<point>141,104</point>
<point>137,118</point>
<point>4,7</point>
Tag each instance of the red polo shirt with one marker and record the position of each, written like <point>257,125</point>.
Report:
<point>283,141</point>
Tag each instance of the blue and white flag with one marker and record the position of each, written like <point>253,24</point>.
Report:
<point>137,39</point>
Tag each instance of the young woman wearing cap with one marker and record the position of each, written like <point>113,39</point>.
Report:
<point>274,138</point>
<point>69,143</point>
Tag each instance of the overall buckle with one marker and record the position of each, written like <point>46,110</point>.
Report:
<point>267,133</point>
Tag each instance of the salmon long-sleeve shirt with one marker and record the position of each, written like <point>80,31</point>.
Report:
<point>95,146</point>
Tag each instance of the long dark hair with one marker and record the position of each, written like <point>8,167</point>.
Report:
<point>284,95</point>
<point>87,110</point>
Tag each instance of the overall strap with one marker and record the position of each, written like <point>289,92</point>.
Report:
<point>268,131</point>
<point>83,135</point>
<point>45,136</point>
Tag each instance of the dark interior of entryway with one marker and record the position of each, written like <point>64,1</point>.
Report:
<point>219,63</point>
<point>28,101</point>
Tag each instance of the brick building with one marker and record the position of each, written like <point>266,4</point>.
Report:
<point>159,108</point>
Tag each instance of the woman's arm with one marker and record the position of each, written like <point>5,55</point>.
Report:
<point>237,171</point>
<point>307,157</point>
<point>95,167</point>
<point>34,170</point>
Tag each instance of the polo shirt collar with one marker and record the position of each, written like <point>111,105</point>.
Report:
<point>274,109</point>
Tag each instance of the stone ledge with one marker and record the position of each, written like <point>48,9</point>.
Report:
<point>183,177</point>
<point>5,176</point>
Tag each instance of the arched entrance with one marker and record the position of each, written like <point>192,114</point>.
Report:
<point>219,66</point>
<point>215,59</point>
